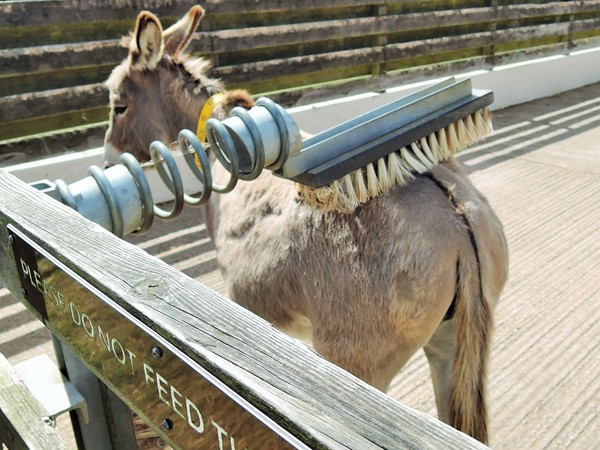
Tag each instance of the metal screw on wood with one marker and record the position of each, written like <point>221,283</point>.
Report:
<point>157,352</point>
<point>167,424</point>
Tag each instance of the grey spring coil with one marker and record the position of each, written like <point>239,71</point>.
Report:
<point>242,147</point>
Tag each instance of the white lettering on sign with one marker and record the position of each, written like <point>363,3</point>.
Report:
<point>163,387</point>
<point>221,433</point>
<point>120,352</point>
<point>34,278</point>
<point>46,289</point>
<point>176,403</point>
<point>165,391</point>
<point>194,418</point>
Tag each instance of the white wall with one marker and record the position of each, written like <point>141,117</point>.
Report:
<point>512,85</point>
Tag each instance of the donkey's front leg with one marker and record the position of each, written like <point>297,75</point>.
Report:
<point>440,351</point>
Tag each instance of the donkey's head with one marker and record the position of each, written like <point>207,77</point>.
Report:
<point>158,90</point>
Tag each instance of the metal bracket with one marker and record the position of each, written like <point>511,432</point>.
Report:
<point>48,385</point>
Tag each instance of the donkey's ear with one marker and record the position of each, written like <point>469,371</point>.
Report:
<point>179,35</point>
<point>146,47</point>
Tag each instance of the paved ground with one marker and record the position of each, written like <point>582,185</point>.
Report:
<point>541,172</point>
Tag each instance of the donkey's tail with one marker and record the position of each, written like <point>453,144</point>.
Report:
<point>473,316</point>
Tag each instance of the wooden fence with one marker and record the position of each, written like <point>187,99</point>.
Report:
<point>198,368</point>
<point>55,54</point>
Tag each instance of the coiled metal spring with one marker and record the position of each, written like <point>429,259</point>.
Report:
<point>120,199</point>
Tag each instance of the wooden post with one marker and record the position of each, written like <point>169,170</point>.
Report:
<point>23,421</point>
<point>198,368</point>
<point>379,40</point>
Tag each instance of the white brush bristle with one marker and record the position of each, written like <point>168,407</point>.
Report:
<point>362,194</point>
<point>384,176</point>
<point>399,175</point>
<point>428,152</point>
<point>398,168</point>
<point>372,181</point>
<point>453,142</point>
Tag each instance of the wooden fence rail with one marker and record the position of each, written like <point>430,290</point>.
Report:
<point>23,420</point>
<point>198,368</point>
<point>55,54</point>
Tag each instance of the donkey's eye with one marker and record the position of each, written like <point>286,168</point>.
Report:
<point>120,110</point>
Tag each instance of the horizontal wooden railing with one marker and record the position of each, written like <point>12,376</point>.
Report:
<point>193,364</point>
<point>55,55</point>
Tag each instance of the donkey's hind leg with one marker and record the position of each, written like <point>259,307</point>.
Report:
<point>374,352</point>
<point>440,351</point>
<point>376,370</point>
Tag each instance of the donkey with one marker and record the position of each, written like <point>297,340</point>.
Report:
<point>420,266</point>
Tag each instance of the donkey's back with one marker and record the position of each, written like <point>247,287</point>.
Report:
<point>369,288</point>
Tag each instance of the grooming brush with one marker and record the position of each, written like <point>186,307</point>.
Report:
<point>344,166</point>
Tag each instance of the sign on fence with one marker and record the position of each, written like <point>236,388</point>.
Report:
<point>170,391</point>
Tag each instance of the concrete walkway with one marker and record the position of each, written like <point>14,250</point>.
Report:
<point>541,172</point>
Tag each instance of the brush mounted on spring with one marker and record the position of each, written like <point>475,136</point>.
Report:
<point>350,163</point>
<point>337,170</point>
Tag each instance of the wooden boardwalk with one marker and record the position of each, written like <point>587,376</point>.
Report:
<point>541,172</point>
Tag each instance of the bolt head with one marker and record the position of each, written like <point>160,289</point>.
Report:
<point>157,352</point>
<point>167,424</point>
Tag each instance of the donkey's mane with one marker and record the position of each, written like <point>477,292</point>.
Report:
<point>196,67</point>
<point>188,71</point>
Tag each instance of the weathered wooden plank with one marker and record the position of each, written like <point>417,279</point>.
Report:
<point>530,10</point>
<point>579,26</point>
<point>251,6</point>
<point>74,31</point>
<point>56,57</point>
<point>531,32</point>
<point>437,45</point>
<point>38,13</point>
<point>241,39</point>
<point>236,6</point>
<point>42,124</point>
<point>318,403</point>
<point>60,12</point>
<point>23,421</point>
<point>300,64</point>
<point>54,79</point>
<point>56,101</point>
<point>43,145</point>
